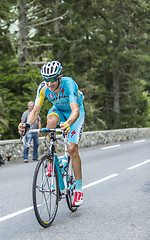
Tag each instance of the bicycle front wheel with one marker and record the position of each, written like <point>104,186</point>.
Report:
<point>70,186</point>
<point>45,191</point>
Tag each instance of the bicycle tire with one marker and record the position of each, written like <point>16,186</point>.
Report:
<point>45,196</point>
<point>70,182</point>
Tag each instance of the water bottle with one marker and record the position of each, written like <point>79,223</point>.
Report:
<point>65,164</point>
<point>63,161</point>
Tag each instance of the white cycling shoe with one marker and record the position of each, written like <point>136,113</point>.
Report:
<point>78,200</point>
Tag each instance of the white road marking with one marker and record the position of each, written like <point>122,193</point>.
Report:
<point>113,146</point>
<point>139,141</point>
<point>99,181</point>
<point>16,213</point>
<point>138,165</point>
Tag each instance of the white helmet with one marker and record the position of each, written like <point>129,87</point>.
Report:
<point>51,69</point>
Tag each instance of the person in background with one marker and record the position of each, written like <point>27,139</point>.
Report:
<point>30,136</point>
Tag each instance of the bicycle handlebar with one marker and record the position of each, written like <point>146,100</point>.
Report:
<point>46,130</point>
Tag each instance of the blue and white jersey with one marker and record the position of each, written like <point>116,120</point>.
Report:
<point>69,93</point>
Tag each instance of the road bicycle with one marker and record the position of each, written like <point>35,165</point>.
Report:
<point>53,179</point>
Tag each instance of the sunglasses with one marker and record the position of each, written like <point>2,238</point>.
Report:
<point>51,79</point>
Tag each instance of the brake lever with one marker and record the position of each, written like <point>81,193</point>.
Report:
<point>23,140</point>
<point>65,139</point>
<point>21,136</point>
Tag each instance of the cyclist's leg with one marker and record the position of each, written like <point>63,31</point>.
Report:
<point>54,117</point>
<point>73,138</point>
<point>76,160</point>
<point>76,164</point>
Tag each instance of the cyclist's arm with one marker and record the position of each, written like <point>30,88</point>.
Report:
<point>33,115</point>
<point>73,99</point>
<point>21,127</point>
<point>74,113</point>
<point>72,118</point>
<point>38,103</point>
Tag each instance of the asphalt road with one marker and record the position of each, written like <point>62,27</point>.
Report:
<point>116,183</point>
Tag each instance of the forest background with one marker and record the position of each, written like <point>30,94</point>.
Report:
<point>104,45</point>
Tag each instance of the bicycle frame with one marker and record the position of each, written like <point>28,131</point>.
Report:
<point>60,177</point>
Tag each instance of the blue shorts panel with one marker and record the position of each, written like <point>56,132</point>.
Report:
<point>76,128</point>
<point>59,113</point>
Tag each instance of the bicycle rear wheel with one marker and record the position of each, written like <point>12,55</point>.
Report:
<point>70,186</point>
<point>45,191</point>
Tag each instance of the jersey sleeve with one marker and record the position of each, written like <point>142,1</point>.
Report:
<point>40,95</point>
<point>73,91</point>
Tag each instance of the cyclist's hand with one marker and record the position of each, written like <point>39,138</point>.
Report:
<point>65,127</point>
<point>23,128</point>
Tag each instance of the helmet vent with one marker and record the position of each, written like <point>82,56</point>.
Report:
<point>51,69</point>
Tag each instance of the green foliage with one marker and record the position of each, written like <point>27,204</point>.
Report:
<point>3,120</point>
<point>136,108</point>
<point>103,46</point>
<point>16,90</point>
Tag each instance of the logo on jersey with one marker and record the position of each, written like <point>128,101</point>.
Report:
<point>73,132</point>
<point>51,95</point>
<point>62,92</point>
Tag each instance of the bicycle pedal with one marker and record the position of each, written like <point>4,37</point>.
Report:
<point>72,187</point>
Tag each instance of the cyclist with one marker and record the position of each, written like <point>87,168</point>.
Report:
<point>67,111</point>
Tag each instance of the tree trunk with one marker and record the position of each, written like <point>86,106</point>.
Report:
<point>22,20</point>
<point>56,27</point>
<point>116,99</point>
